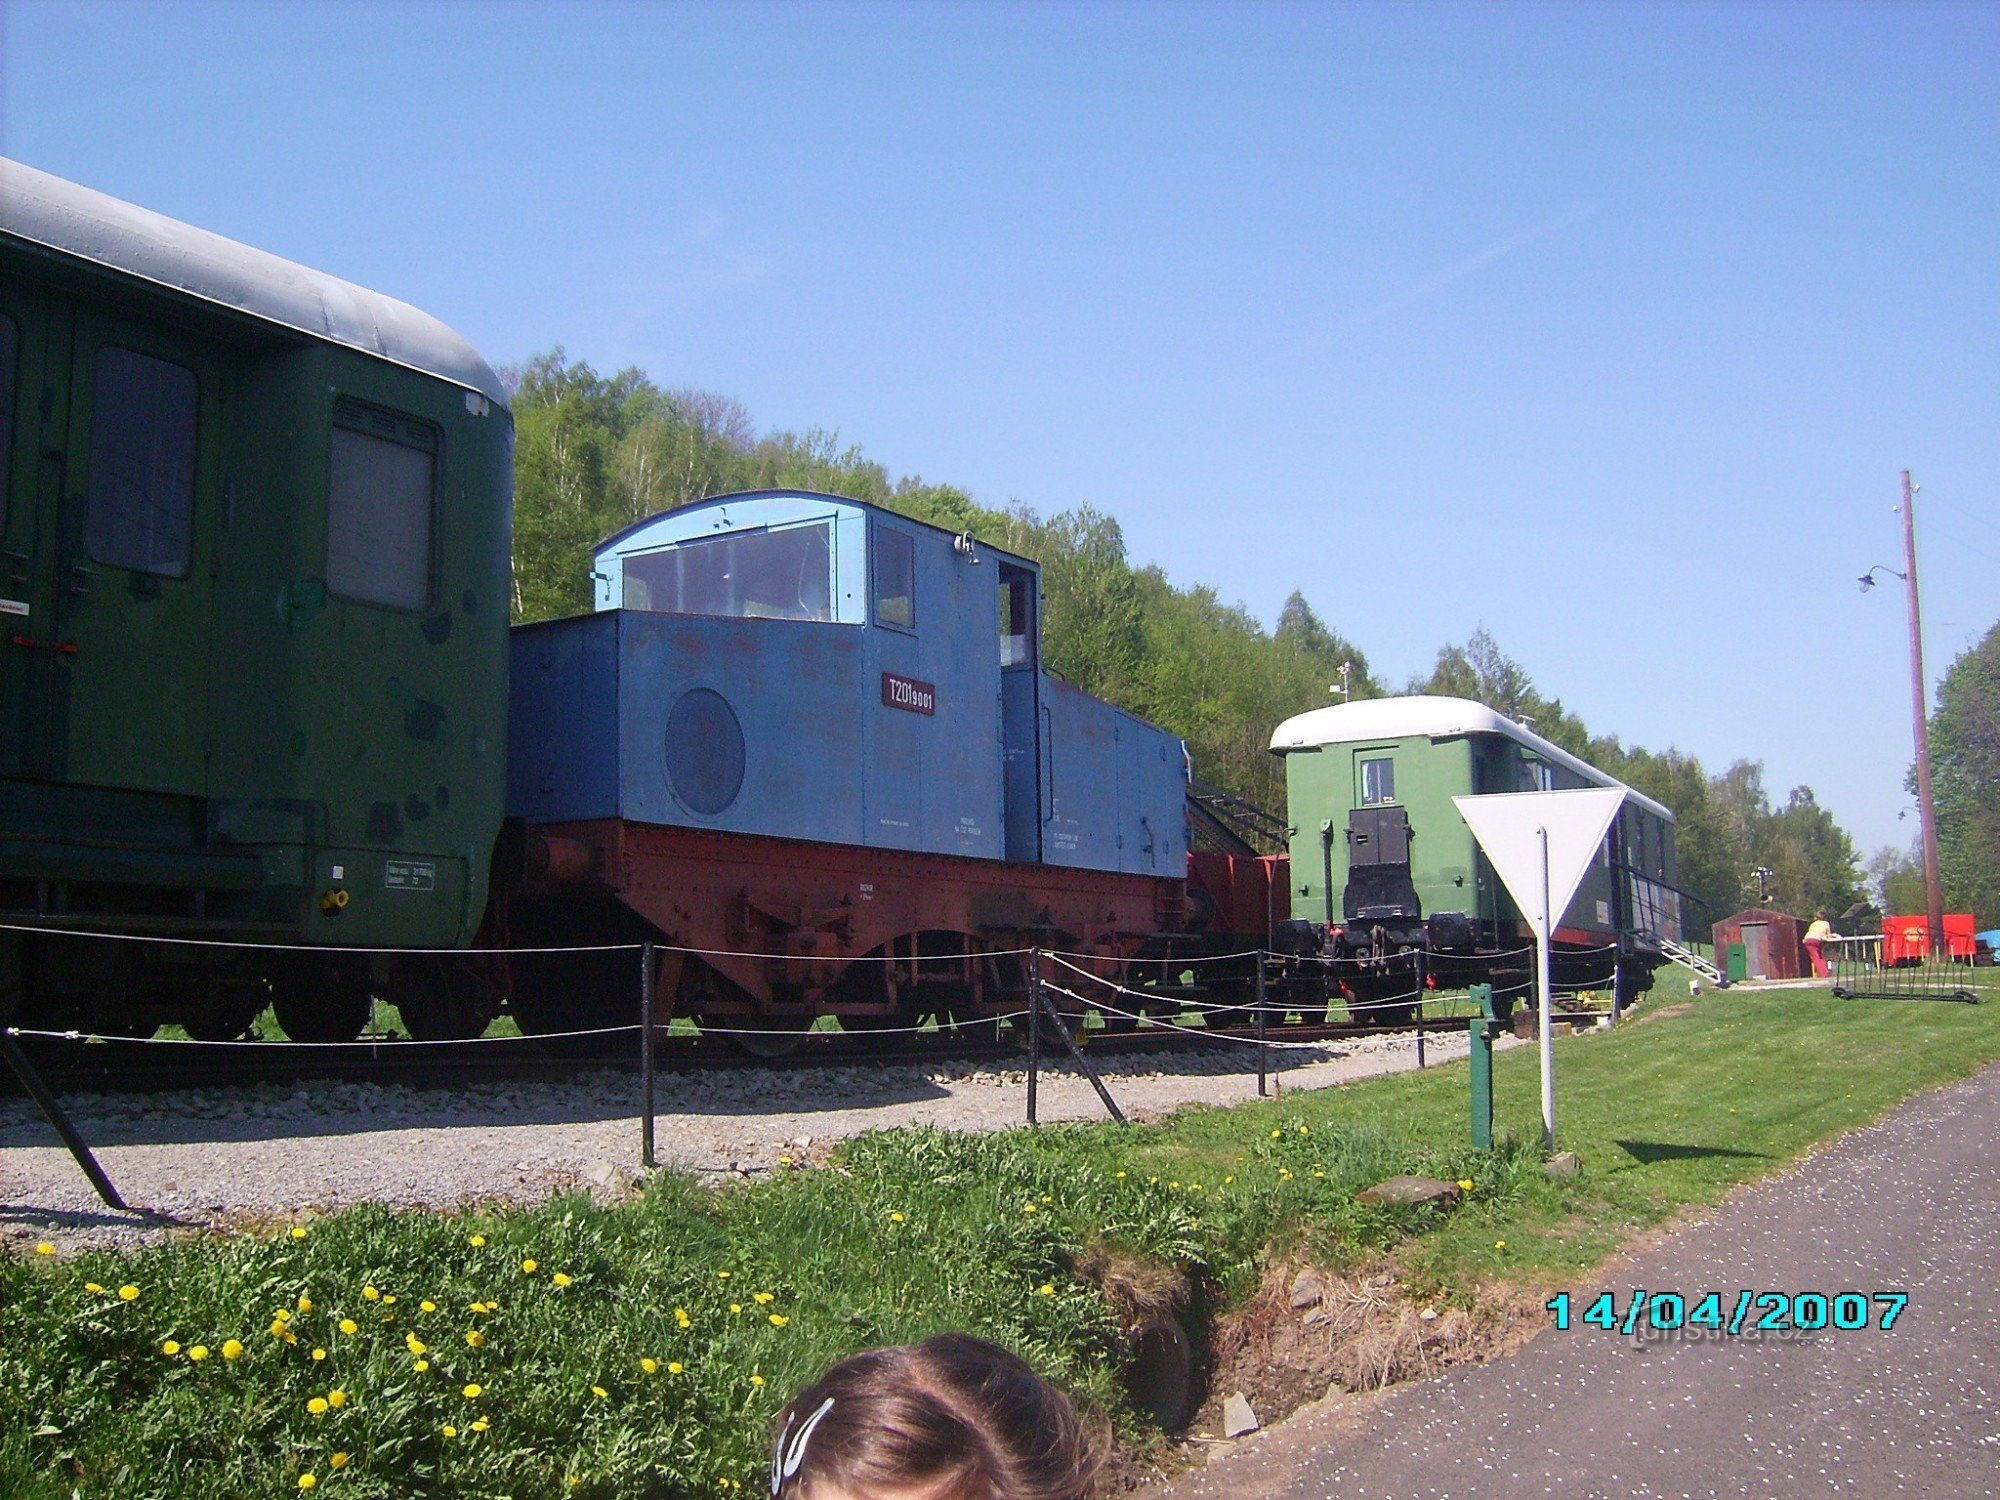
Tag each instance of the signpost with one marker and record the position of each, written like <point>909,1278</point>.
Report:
<point>1541,844</point>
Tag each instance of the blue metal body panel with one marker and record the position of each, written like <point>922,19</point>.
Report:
<point>841,728</point>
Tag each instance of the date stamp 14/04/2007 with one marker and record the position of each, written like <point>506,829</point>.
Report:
<point>1744,1313</point>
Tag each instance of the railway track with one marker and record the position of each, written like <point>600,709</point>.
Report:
<point>120,1066</point>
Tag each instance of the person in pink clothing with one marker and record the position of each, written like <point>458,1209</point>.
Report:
<point>1820,932</point>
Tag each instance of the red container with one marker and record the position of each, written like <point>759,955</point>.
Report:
<point>1906,939</point>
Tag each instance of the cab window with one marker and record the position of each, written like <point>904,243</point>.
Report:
<point>761,574</point>
<point>140,503</point>
<point>895,578</point>
<point>1378,781</point>
<point>381,491</point>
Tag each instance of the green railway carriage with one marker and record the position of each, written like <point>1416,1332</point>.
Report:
<point>1384,869</point>
<point>253,626</point>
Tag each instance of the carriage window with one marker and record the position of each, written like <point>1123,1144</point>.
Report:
<point>140,507</point>
<point>380,491</point>
<point>9,346</point>
<point>1378,781</point>
<point>786,574</point>
<point>895,578</point>
<point>1537,775</point>
<point>1015,617</point>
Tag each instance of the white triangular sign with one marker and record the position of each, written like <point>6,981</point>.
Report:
<point>1509,827</point>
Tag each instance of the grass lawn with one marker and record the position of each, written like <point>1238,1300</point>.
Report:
<point>640,1349</point>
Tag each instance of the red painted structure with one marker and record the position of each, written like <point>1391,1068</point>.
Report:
<point>1907,939</point>
<point>784,930</point>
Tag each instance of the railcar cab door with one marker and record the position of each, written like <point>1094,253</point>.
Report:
<point>127,558</point>
<point>1020,714</point>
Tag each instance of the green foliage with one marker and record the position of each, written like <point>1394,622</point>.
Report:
<point>1965,780</point>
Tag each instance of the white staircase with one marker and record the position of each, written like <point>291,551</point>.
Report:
<point>1687,958</point>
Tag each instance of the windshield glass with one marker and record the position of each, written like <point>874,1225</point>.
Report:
<point>773,575</point>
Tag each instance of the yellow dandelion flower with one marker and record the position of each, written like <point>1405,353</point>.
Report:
<point>1046,1289</point>
<point>318,1355</point>
<point>1118,1174</point>
<point>675,1367</point>
<point>298,1231</point>
<point>478,1307</point>
<point>389,1300</point>
<point>336,1399</point>
<point>1174,1184</point>
<point>305,1303</point>
<point>128,1293</point>
<point>317,1406</point>
<point>1303,1130</point>
<point>736,1307</point>
<point>1047,1199</point>
<point>45,1248</point>
<point>232,1349</point>
<point>336,1460</point>
<point>283,1315</point>
<point>1499,1244</point>
<point>421,1365</point>
<point>278,1330</point>
<point>93,1288</point>
<point>414,1344</point>
<point>529,1267</point>
<point>480,1424</point>
<point>560,1279</point>
<point>757,1380</point>
<point>724,1275</point>
<point>1465,1184</point>
<point>784,1161</point>
<point>474,1338</point>
<point>427,1306</point>
<point>1276,1133</point>
<point>478,1242</point>
<point>370,1294</point>
<point>600,1393</point>
<point>473,1391</point>
<point>1029,1208</point>
<point>650,1365</point>
<point>1229,1179</point>
<point>763,1297</point>
<point>349,1326</point>
<point>779,1320</point>
<point>1152,1182</point>
<point>895,1217</point>
<point>290,1337</point>
<point>450,1431</point>
<point>307,1481</point>
<point>171,1346</point>
<point>198,1353</point>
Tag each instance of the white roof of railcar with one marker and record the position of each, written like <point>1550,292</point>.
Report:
<point>1434,718</point>
<point>94,226</point>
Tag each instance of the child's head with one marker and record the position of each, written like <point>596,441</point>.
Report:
<point>952,1418</point>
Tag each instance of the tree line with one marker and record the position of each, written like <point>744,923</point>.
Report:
<point>594,453</point>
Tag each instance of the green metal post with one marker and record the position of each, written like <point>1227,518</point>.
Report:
<point>1480,1030</point>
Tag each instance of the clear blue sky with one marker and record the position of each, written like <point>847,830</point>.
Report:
<point>1608,326</point>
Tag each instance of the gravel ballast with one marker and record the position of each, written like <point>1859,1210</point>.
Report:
<point>219,1158</point>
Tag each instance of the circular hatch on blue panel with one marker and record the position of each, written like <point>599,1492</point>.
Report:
<point>704,751</point>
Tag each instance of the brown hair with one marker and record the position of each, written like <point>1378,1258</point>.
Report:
<point>952,1418</point>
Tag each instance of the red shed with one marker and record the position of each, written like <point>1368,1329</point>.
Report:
<point>1771,943</point>
<point>1909,937</point>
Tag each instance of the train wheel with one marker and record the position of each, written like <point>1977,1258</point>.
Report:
<point>766,1038</point>
<point>322,1002</point>
<point>441,999</point>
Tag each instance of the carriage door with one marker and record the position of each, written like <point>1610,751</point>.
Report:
<point>1020,713</point>
<point>34,363</point>
<point>134,545</point>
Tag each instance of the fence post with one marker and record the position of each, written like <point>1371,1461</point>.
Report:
<point>1617,982</point>
<point>646,998</point>
<point>1263,1052</point>
<point>1480,1029</point>
<point>53,1113</point>
<point>1034,1026</point>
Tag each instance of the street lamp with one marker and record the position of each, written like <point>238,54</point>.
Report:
<point>1926,809</point>
<point>1762,875</point>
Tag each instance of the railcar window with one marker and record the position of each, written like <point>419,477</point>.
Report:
<point>783,574</point>
<point>1537,775</point>
<point>140,503</point>
<point>895,578</point>
<point>381,489</point>
<point>1378,781</point>
<point>1015,647</point>
<point>10,343</point>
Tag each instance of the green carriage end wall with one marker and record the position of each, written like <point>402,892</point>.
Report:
<point>273,732</point>
<point>1449,872</point>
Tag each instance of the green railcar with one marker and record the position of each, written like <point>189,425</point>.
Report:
<point>253,628</point>
<point>1388,882</point>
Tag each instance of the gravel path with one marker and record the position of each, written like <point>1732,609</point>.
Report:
<point>216,1156</point>
<point>1910,1204</point>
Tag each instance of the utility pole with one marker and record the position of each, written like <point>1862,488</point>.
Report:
<point>1926,808</point>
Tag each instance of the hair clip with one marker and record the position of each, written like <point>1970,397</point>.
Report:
<point>785,1460</point>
